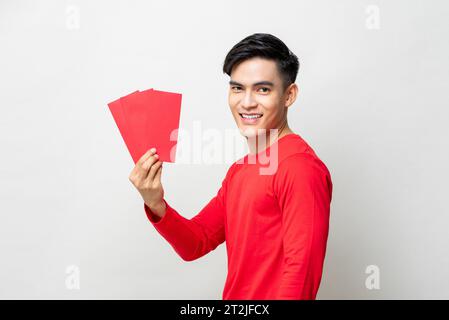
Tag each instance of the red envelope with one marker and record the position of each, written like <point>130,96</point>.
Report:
<point>135,108</point>
<point>149,119</point>
<point>118,114</point>
<point>162,123</point>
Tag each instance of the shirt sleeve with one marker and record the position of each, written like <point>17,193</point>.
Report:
<point>303,188</point>
<point>195,237</point>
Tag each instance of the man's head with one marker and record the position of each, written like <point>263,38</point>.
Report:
<point>263,72</point>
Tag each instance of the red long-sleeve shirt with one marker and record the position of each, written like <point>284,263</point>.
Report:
<point>275,225</point>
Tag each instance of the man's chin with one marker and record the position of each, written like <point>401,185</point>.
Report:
<point>248,132</point>
<point>251,132</point>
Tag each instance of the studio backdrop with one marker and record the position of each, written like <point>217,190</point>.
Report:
<point>373,103</point>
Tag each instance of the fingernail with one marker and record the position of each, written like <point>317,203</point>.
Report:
<point>153,150</point>
<point>156,156</point>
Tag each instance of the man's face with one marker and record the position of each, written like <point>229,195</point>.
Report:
<point>256,96</point>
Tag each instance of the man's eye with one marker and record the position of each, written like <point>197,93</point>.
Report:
<point>267,89</point>
<point>235,88</point>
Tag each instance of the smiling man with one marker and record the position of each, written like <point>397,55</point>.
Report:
<point>275,225</point>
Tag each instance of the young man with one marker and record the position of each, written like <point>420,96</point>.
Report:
<point>275,224</point>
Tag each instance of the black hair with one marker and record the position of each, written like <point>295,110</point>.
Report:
<point>266,46</point>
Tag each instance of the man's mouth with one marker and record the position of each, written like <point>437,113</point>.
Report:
<point>250,115</point>
<point>250,118</point>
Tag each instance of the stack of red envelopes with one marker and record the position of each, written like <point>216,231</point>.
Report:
<point>148,119</point>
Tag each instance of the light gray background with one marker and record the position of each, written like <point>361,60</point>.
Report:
<point>373,104</point>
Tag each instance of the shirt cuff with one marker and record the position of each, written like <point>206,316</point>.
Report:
<point>155,219</point>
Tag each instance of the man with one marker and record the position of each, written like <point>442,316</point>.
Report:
<point>275,225</point>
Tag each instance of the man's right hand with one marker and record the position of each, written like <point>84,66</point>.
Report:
<point>146,177</point>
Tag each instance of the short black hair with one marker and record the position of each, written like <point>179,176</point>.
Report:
<point>266,46</point>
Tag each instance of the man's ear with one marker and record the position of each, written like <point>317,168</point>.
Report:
<point>290,94</point>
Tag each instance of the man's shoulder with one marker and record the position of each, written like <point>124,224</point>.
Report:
<point>301,160</point>
<point>296,153</point>
<point>291,145</point>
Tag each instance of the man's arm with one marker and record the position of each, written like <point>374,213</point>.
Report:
<point>304,190</point>
<point>192,238</point>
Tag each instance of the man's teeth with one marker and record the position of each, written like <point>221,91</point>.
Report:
<point>246,116</point>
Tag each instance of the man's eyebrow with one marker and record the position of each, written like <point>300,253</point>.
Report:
<point>260,83</point>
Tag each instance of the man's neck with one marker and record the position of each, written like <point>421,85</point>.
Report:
<point>259,143</point>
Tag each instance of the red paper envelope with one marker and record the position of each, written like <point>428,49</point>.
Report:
<point>118,114</point>
<point>149,119</point>
<point>163,123</point>
<point>135,107</point>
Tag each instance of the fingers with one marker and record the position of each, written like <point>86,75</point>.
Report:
<point>147,165</point>
<point>146,156</point>
<point>154,170</point>
<point>157,177</point>
<point>140,170</point>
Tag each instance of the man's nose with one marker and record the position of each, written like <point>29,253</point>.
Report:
<point>248,101</point>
